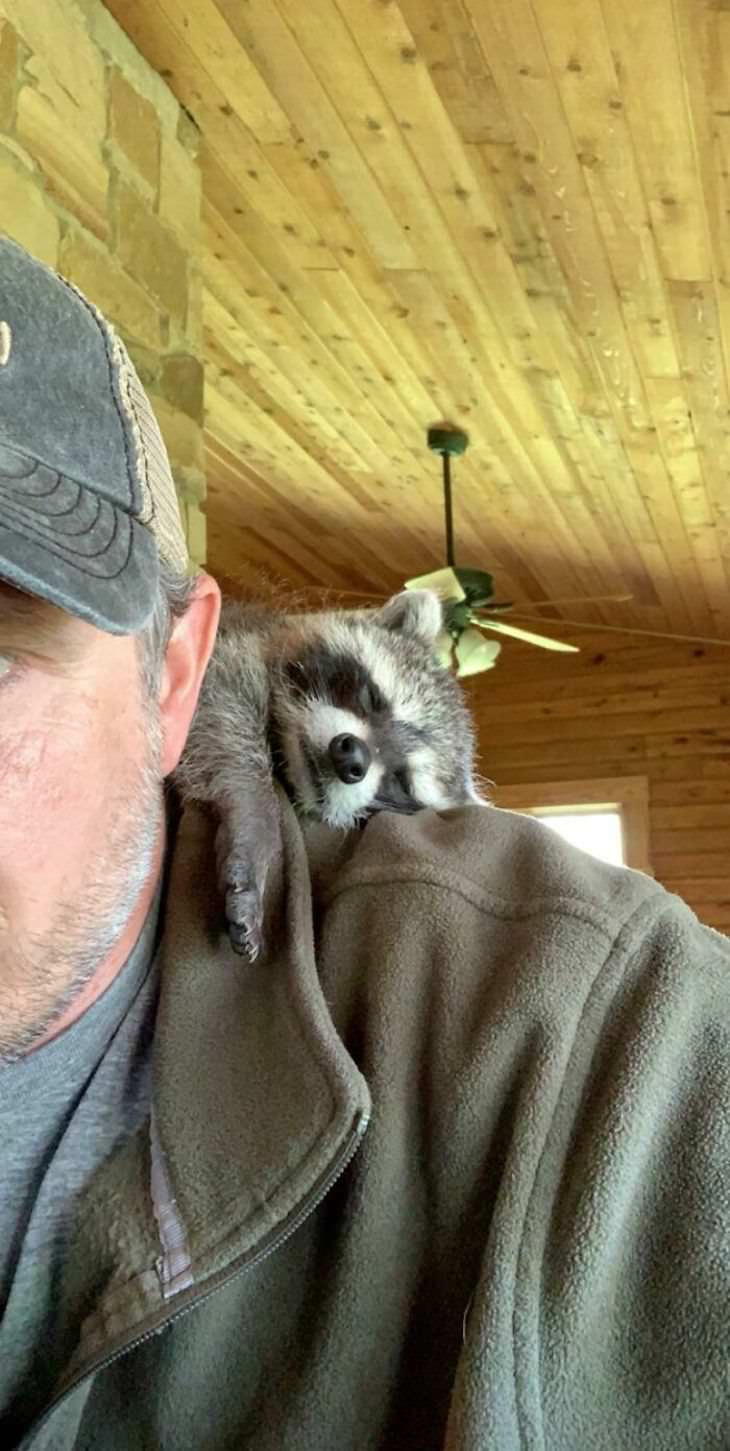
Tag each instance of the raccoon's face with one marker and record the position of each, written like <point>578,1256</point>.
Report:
<point>367,720</point>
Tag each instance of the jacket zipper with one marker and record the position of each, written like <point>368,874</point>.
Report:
<point>307,1207</point>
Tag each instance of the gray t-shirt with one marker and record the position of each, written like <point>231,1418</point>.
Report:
<point>63,1110</point>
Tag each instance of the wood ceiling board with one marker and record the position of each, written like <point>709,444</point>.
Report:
<point>227,343</point>
<point>645,43</point>
<point>256,298</point>
<point>458,69</point>
<point>201,66</point>
<point>371,536</point>
<point>263,33</point>
<point>579,49</point>
<point>304,540</point>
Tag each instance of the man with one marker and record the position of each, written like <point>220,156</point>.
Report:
<point>448,1169</point>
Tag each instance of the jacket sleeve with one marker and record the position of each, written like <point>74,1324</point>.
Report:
<point>601,1320</point>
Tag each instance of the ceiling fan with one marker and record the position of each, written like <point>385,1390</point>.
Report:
<point>469,604</point>
<point>468,594</point>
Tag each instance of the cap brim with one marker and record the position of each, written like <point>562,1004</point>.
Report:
<point>68,545</point>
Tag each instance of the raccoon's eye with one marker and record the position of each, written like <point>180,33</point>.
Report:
<point>371,699</point>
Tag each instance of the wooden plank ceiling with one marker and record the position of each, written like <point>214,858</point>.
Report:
<point>514,214</point>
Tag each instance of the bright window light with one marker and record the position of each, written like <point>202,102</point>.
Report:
<point>597,832</point>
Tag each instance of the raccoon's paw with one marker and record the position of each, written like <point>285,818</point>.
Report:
<point>243,895</point>
<point>242,871</point>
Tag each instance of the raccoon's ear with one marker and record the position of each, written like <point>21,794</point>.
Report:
<point>415,613</point>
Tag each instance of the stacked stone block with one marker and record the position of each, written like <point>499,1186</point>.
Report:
<point>99,176</point>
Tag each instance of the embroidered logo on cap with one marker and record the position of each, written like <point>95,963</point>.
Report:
<point>6,342</point>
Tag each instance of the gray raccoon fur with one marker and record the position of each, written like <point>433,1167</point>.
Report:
<point>349,709</point>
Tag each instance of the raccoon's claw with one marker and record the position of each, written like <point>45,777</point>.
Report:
<point>241,881</point>
<point>244,915</point>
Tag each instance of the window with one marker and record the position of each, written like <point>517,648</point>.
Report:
<point>598,832</point>
<point>607,817</point>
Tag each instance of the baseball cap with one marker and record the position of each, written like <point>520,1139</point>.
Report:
<point>88,507</point>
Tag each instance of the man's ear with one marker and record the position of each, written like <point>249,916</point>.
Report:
<point>186,658</point>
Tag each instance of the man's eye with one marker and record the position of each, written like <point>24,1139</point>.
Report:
<point>8,665</point>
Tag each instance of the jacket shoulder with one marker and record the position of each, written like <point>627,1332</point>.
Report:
<point>503,862</point>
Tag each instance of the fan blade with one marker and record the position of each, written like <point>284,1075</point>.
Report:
<point>576,600</point>
<point>444,581</point>
<point>629,630</point>
<point>542,640</point>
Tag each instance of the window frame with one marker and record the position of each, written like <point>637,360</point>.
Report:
<point>628,795</point>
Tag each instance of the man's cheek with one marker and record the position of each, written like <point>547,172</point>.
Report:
<point>48,827</point>
<point>44,768</point>
<point>22,754</point>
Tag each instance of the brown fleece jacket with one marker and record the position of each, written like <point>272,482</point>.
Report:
<point>527,1247</point>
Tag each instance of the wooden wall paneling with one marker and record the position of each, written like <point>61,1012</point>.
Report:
<point>619,710</point>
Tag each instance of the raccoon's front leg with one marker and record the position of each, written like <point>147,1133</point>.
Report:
<point>247,841</point>
<point>226,765</point>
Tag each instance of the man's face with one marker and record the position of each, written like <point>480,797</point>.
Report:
<point>80,806</point>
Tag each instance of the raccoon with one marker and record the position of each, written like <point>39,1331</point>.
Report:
<point>349,709</point>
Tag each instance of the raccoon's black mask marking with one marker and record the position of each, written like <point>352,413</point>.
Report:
<point>341,679</point>
<point>344,681</point>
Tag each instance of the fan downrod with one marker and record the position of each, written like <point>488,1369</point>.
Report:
<point>446,440</point>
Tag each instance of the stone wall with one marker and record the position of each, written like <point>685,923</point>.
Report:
<point>99,176</point>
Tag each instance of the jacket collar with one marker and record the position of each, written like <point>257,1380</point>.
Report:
<point>256,1103</point>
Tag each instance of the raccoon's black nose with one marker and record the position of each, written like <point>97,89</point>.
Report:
<point>350,758</point>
